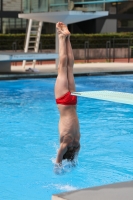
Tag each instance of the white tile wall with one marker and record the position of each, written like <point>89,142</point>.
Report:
<point>11,5</point>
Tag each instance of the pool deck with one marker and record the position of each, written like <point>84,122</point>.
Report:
<point>117,191</point>
<point>50,70</point>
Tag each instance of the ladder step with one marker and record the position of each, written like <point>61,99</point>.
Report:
<point>35,26</point>
<point>32,43</point>
<point>32,36</point>
<point>35,23</point>
<point>31,51</point>
<point>37,36</point>
<point>29,62</point>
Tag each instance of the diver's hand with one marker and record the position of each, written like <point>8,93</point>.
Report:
<point>58,168</point>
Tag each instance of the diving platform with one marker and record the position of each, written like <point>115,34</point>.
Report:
<point>67,17</point>
<point>68,12</point>
<point>12,57</point>
<point>113,96</point>
<point>7,58</point>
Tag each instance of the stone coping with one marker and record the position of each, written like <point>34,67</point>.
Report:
<point>117,191</point>
<point>80,69</point>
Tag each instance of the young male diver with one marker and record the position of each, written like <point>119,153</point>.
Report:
<point>66,102</point>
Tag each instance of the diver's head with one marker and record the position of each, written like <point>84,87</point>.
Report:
<point>69,155</point>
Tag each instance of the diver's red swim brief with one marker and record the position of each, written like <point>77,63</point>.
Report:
<point>67,99</point>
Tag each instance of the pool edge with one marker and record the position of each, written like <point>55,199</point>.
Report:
<point>53,75</point>
<point>119,191</point>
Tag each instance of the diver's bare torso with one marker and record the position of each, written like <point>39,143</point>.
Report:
<point>69,124</point>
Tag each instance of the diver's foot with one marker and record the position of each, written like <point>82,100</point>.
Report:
<point>62,29</point>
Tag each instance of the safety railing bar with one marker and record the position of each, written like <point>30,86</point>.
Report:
<point>108,46</point>
<point>86,3</point>
<point>86,51</point>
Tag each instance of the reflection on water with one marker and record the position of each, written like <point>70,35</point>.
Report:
<point>9,104</point>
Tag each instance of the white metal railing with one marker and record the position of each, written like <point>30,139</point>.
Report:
<point>33,6</point>
<point>32,39</point>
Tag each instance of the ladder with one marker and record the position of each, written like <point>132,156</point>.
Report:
<point>32,40</point>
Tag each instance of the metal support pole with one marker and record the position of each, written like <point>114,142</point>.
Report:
<point>28,36</point>
<point>108,46</point>
<point>129,50</point>
<point>27,40</point>
<point>40,50</point>
<point>113,49</point>
<point>86,51</point>
<point>14,46</point>
<point>36,49</point>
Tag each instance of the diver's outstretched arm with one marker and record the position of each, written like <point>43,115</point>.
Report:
<point>62,150</point>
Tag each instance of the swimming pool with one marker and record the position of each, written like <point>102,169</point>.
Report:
<point>29,138</point>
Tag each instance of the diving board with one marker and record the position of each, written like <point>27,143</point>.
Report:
<point>119,97</point>
<point>5,57</point>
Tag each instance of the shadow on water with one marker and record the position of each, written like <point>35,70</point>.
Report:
<point>10,103</point>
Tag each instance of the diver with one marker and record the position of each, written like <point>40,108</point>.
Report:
<point>69,129</point>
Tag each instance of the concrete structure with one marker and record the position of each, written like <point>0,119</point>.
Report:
<point>66,11</point>
<point>7,58</point>
<point>118,191</point>
<point>67,17</point>
<point>120,15</point>
<point>49,70</point>
<point>70,12</point>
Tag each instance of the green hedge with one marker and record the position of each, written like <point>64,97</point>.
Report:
<point>99,40</point>
<point>77,40</point>
<point>7,40</point>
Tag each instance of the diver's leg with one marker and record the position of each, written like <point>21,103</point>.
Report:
<point>61,85</point>
<point>70,63</point>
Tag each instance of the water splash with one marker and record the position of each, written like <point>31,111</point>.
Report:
<point>65,167</point>
<point>65,187</point>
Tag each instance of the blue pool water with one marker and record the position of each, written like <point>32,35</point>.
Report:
<point>29,138</point>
